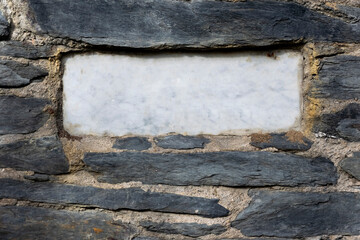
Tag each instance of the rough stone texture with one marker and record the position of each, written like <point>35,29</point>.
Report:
<point>344,123</point>
<point>113,199</point>
<point>24,50</point>
<point>216,168</point>
<point>186,229</point>
<point>352,166</point>
<point>38,177</point>
<point>353,13</point>
<point>339,78</point>
<point>41,223</point>
<point>159,23</point>
<point>21,115</point>
<point>15,74</point>
<point>41,155</point>
<point>299,214</point>
<point>281,141</point>
<point>146,238</point>
<point>4,27</point>
<point>181,142</point>
<point>132,143</point>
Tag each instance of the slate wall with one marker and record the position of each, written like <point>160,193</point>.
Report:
<point>300,184</point>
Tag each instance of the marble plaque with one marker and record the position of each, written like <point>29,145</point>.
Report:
<point>188,93</point>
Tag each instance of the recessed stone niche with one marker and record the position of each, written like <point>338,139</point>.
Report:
<point>189,93</point>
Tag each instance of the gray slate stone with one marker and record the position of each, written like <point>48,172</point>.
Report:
<point>132,143</point>
<point>113,199</point>
<point>282,142</point>
<point>233,169</point>
<point>299,214</point>
<point>351,165</point>
<point>15,74</point>
<point>21,115</point>
<point>146,238</point>
<point>344,123</point>
<point>25,50</point>
<point>339,78</point>
<point>41,155</point>
<point>181,142</point>
<point>4,27</point>
<point>38,177</point>
<point>186,229</point>
<point>196,24</point>
<point>42,223</point>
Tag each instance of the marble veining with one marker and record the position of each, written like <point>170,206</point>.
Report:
<point>188,93</point>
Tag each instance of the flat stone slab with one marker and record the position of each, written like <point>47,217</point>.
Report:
<point>113,199</point>
<point>20,222</point>
<point>41,155</point>
<point>21,115</point>
<point>132,143</point>
<point>186,229</point>
<point>351,165</point>
<point>15,74</point>
<point>299,214</point>
<point>339,78</point>
<point>181,142</point>
<point>290,141</point>
<point>344,123</point>
<point>25,50</point>
<point>235,169</point>
<point>201,24</point>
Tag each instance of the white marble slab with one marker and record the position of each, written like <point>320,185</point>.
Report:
<point>155,94</point>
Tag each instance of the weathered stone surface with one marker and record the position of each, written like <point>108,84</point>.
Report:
<point>4,27</point>
<point>299,214</point>
<point>132,143</point>
<point>42,223</point>
<point>15,74</point>
<point>352,13</point>
<point>186,229</point>
<point>201,24</point>
<point>339,78</point>
<point>181,142</point>
<point>217,168</point>
<point>345,123</point>
<point>25,50</point>
<point>38,177</point>
<point>351,165</point>
<point>146,238</point>
<point>41,155</point>
<point>113,199</point>
<point>21,115</point>
<point>291,141</point>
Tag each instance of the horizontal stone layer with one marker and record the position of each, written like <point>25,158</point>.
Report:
<point>40,223</point>
<point>181,142</point>
<point>21,115</point>
<point>132,143</point>
<point>113,199</point>
<point>186,229</point>
<point>299,214</point>
<point>339,78</point>
<point>41,155</point>
<point>156,23</point>
<point>25,50</point>
<point>234,169</point>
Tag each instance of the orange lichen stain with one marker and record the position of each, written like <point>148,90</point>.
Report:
<point>295,136</point>
<point>313,108</point>
<point>97,230</point>
<point>260,137</point>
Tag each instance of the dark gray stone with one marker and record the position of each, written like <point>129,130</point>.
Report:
<point>21,115</point>
<point>42,223</point>
<point>146,238</point>
<point>132,143</point>
<point>199,24</point>
<point>25,50</point>
<point>15,74</point>
<point>352,13</point>
<point>299,214</point>
<point>38,177</point>
<point>181,142</point>
<point>113,199</point>
<point>344,123</point>
<point>41,155</point>
<point>233,169</point>
<point>281,141</point>
<point>186,229</point>
<point>4,27</point>
<point>352,166</point>
<point>339,78</point>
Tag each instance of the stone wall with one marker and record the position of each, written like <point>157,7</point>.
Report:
<point>303,183</point>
